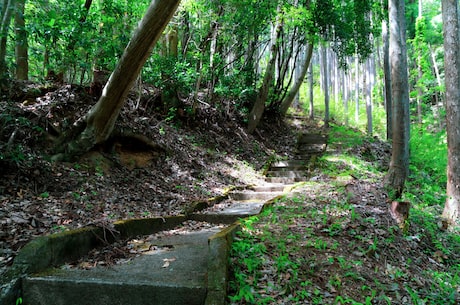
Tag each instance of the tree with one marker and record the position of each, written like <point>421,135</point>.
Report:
<point>21,48</point>
<point>325,75</point>
<point>387,79</point>
<point>451,32</point>
<point>259,106</point>
<point>287,101</point>
<point>7,7</point>
<point>399,165</point>
<point>99,122</point>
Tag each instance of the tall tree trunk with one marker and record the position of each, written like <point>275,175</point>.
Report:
<point>99,122</point>
<point>387,79</point>
<point>325,70</point>
<point>419,64</point>
<point>21,48</point>
<point>399,165</point>
<point>311,113</point>
<point>336,79</point>
<point>450,16</point>
<point>259,105</point>
<point>346,93</point>
<point>357,89</point>
<point>7,9</point>
<point>368,88</point>
<point>287,101</point>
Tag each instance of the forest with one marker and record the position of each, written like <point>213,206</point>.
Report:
<point>117,109</point>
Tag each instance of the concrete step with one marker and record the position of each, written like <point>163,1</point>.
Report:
<point>288,174</point>
<point>146,279</point>
<point>270,187</point>
<point>312,138</point>
<point>311,149</point>
<point>290,163</point>
<point>254,195</point>
<point>285,180</point>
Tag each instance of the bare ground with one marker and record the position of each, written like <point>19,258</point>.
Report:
<point>195,159</point>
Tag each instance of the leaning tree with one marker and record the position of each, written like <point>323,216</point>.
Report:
<point>97,125</point>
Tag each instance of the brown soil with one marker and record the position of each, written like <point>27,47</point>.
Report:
<point>192,159</point>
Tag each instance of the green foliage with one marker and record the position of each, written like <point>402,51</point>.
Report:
<point>427,181</point>
<point>65,37</point>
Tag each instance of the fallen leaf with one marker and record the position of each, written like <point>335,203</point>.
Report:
<point>167,261</point>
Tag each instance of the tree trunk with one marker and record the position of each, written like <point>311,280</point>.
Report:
<point>399,165</point>
<point>100,120</point>
<point>346,93</point>
<point>357,89</point>
<point>387,79</point>
<point>259,105</point>
<point>451,30</point>
<point>325,84</point>
<point>368,88</point>
<point>7,9</point>
<point>21,48</point>
<point>419,51</point>
<point>311,113</point>
<point>287,101</point>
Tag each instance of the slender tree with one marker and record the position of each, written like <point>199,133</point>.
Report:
<point>399,165</point>
<point>259,106</point>
<point>450,16</point>
<point>287,101</point>
<point>325,74</point>
<point>21,47</point>
<point>311,113</point>
<point>6,12</point>
<point>387,79</point>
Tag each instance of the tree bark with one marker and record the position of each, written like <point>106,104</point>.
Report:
<point>287,101</point>
<point>100,120</point>
<point>357,89</point>
<point>451,32</point>
<point>7,9</point>
<point>259,105</point>
<point>21,47</point>
<point>387,79</point>
<point>325,70</point>
<point>399,165</point>
<point>368,88</point>
<point>311,113</point>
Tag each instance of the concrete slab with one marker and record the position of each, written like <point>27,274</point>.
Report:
<point>312,138</point>
<point>285,180</point>
<point>271,187</point>
<point>159,276</point>
<point>254,195</point>
<point>288,174</point>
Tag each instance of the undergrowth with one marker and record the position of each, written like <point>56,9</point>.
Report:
<point>334,241</point>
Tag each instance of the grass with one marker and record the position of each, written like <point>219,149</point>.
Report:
<point>335,243</point>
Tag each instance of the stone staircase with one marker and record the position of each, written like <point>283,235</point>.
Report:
<point>186,268</point>
<point>309,146</point>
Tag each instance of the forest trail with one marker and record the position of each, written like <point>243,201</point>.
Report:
<point>185,265</point>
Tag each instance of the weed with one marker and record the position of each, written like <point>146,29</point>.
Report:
<point>44,195</point>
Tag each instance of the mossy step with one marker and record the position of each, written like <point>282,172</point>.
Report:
<point>312,138</point>
<point>254,195</point>
<point>288,174</point>
<point>290,163</point>
<point>144,280</point>
<point>285,180</point>
<point>312,148</point>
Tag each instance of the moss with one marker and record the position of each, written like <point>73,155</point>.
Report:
<point>55,249</point>
<point>145,226</point>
